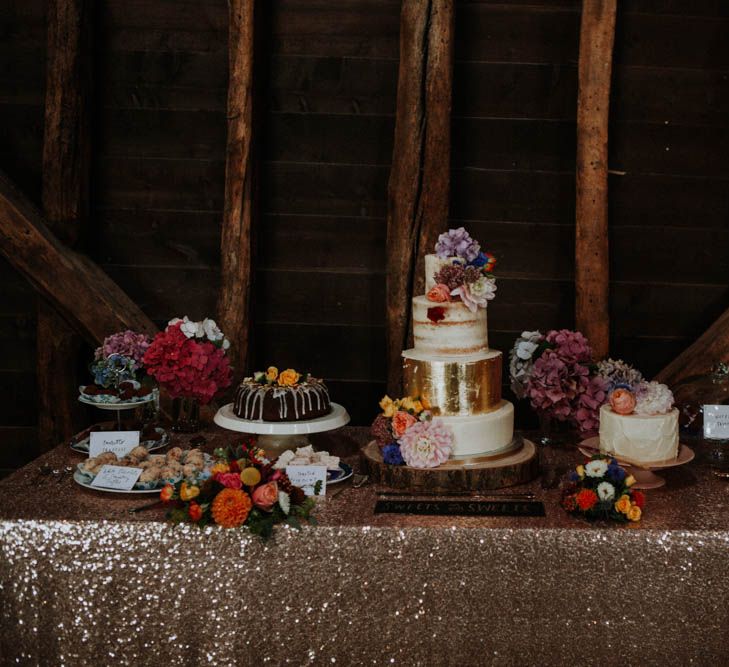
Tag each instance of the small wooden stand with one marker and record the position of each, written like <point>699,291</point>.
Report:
<point>515,467</point>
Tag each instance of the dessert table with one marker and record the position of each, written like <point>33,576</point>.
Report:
<point>83,581</point>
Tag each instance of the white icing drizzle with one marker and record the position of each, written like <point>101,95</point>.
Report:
<point>303,397</point>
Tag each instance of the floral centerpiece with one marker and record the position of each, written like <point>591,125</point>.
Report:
<point>189,361</point>
<point>601,489</point>
<point>629,393</point>
<point>118,365</point>
<point>407,434</point>
<point>466,275</point>
<point>556,372</point>
<point>243,489</point>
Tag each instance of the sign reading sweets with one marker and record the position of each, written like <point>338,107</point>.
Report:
<point>119,442</point>
<point>116,477</point>
<point>716,422</point>
<point>307,477</point>
<point>461,508</point>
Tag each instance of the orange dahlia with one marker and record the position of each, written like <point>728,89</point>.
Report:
<point>231,507</point>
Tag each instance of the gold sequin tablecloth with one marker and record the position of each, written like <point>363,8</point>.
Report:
<point>84,582</point>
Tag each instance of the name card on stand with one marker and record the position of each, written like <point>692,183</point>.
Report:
<point>716,422</point>
<point>119,442</point>
<point>116,477</point>
<point>307,477</point>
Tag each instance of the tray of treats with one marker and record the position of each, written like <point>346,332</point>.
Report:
<point>157,469</point>
<point>150,437</point>
<point>129,394</point>
<point>337,471</point>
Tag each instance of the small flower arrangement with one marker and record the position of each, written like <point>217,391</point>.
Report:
<point>629,393</point>
<point>286,378</point>
<point>189,359</point>
<point>243,489</point>
<point>128,344</point>
<point>557,373</point>
<point>117,362</point>
<point>601,489</point>
<point>467,274</point>
<point>407,434</point>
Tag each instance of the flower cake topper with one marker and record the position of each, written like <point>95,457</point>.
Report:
<point>274,378</point>
<point>601,489</point>
<point>469,277</point>
<point>407,434</point>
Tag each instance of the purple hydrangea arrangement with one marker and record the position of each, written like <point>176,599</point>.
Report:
<point>457,243</point>
<point>557,373</point>
<point>129,344</point>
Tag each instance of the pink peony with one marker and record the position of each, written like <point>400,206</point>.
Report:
<point>439,293</point>
<point>426,444</point>
<point>230,480</point>
<point>401,422</point>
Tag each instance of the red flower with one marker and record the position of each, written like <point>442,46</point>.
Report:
<point>436,314</point>
<point>187,367</point>
<point>569,503</point>
<point>195,512</point>
<point>638,498</point>
<point>166,493</point>
<point>586,499</point>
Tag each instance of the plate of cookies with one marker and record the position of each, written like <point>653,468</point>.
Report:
<point>157,469</point>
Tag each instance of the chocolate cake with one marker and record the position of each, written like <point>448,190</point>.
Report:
<point>261,399</point>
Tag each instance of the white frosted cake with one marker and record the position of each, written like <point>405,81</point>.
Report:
<point>640,425</point>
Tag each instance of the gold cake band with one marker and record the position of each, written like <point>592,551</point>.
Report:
<point>455,387</point>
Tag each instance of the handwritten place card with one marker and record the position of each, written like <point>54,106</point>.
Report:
<point>307,476</point>
<point>119,442</point>
<point>716,422</point>
<point>116,477</point>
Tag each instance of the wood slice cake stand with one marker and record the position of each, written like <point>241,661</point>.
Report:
<point>517,466</point>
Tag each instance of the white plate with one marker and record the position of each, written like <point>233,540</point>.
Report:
<point>82,446</point>
<point>344,472</point>
<point>79,479</point>
<point>226,418</point>
<point>109,404</point>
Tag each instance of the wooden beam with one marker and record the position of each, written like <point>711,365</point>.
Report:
<point>597,35</point>
<point>699,358</point>
<point>236,255</point>
<point>417,207</point>
<point>86,297</point>
<point>66,169</point>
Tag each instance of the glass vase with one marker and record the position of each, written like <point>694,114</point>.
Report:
<point>185,415</point>
<point>552,432</point>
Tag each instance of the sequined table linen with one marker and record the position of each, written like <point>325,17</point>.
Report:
<point>84,582</point>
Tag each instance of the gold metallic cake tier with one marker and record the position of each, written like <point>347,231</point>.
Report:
<point>458,385</point>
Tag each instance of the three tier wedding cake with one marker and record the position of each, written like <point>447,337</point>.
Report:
<point>452,413</point>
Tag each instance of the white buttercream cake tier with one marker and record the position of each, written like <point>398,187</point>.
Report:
<point>639,439</point>
<point>482,435</point>
<point>459,332</point>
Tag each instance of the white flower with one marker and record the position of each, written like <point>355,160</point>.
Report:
<point>483,288</point>
<point>605,491</point>
<point>596,468</point>
<point>211,330</point>
<point>226,343</point>
<point>173,321</point>
<point>191,329</point>
<point>285,501</point>
<point>525,349</point>
<point>653,398</point>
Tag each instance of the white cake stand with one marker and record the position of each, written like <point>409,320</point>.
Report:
<point>645,478</point>
<point>120,405</point>
<point>277,437</point>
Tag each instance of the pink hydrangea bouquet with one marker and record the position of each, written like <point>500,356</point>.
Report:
<point>189,359</point>
<point>556,372</point>
<point>407,434</point>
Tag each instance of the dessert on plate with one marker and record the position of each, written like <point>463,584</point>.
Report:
<point>287,396</point>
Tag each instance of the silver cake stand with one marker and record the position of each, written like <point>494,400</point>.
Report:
<point>277,437</point>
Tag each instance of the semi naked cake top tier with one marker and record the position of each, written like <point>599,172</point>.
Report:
<point>448,328</point>
<point>639,439</point>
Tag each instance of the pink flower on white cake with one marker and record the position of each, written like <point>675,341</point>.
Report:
<point>426,444</point>
<point>476,295</point>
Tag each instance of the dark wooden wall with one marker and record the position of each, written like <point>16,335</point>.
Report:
<point>327,109</point>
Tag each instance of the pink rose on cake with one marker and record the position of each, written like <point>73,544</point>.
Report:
<point>426,444</point>
<point>622,401</point>
<point>401,422</point>
<point>439,293</point>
